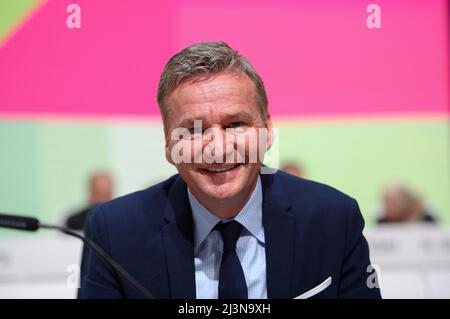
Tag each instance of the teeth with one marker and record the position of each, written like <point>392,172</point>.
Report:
<point>223,169</point>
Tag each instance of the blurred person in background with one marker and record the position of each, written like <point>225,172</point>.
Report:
<point>401,205</point>
<point>293,168</point>
<point>100,190</point>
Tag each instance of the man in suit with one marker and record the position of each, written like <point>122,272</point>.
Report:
<point>226,228</point>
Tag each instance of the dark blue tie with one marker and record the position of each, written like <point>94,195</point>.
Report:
<point>231,276</point>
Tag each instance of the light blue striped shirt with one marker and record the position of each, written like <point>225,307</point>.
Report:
<point>250,247</point>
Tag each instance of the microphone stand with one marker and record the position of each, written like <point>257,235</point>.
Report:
<point>32,224</point>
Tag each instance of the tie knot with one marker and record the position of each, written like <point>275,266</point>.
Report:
<point>230,234</point>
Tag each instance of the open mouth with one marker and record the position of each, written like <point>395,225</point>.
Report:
<point>220,169</point>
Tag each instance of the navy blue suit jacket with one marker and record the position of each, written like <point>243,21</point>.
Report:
<point>312,232</point>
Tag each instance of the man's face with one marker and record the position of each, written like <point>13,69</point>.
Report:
<point>224,101</point>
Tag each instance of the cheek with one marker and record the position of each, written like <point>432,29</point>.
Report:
<point>184,151</point>
<point>251,146</point>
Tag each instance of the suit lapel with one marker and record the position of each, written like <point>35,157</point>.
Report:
<point>279,230</point>
<point>178,242</point>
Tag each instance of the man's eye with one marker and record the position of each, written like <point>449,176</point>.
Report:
<point>236,124</point>
<point>195,130</point>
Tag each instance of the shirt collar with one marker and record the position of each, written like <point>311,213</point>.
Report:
<point>250,216</point>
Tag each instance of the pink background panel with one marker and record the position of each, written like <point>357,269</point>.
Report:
<point>109,66</point>
<point>316,57</point>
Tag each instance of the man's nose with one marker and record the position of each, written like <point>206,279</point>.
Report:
<point>218,143</point>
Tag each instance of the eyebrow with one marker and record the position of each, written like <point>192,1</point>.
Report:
<point>187,122</point>
<point>247,117</point>
<point>242,115</point>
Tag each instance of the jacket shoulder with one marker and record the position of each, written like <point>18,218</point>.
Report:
<point>317,201</point>
<point>303,189</point>
<point>144,206</point>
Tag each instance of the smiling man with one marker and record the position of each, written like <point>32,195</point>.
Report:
<point>224,227</point>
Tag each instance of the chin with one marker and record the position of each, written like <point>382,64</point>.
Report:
<point>220,186</point>
<point>221,192</point>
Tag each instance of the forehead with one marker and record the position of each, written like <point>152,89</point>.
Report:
<point>222,93</point>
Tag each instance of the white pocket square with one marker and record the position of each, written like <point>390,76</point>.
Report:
<point>324,285</point>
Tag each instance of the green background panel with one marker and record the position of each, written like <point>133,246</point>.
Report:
<point>137,156</point>
<point>360,158</point>
<point>19,191</point>
<point>44,166</point>
<point>18,168</point>
<point>11,13</point>
<point>68,154</point>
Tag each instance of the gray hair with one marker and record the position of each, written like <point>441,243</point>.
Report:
<point>204,59</point>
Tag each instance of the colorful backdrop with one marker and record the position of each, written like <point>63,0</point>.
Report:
<point>356,106</point>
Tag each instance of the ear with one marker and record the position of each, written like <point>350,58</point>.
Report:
<point>270,136</point>
<point>168,146</point>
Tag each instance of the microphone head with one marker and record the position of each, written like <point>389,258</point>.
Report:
<point>19,222</point>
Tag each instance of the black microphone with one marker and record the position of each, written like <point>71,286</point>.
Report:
<point>33,224</point>
<point>19,222</point>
